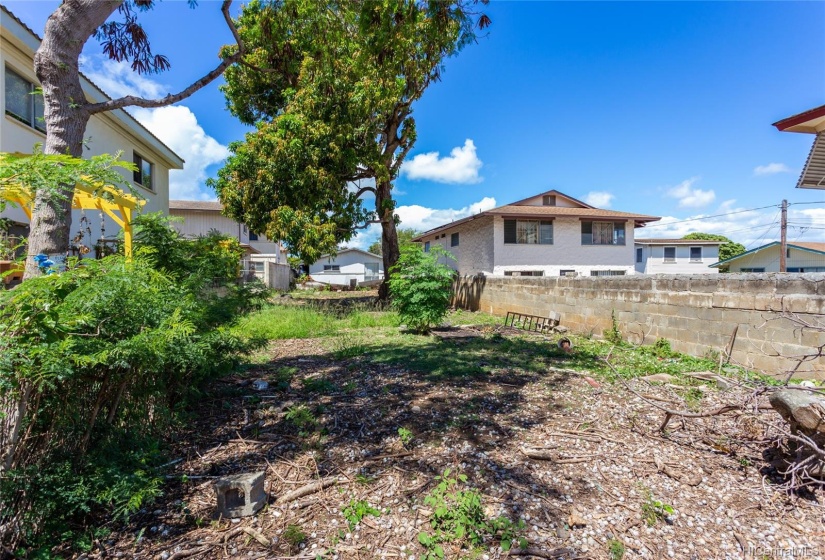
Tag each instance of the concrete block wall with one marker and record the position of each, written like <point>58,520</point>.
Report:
<point>696,313</point>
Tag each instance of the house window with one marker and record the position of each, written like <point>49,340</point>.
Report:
<point>22,103</point>
<point>528,232</point>
<point>607,273</point>
<point>639,254</point>
<point>332,268</point>
<point>696,254</point>
<point>670,254</point>
<point>143,172</point>
<point>426,246</point>
<point>567,273</point>
<point>253,236</point>
<point>760,269</point>
<point>454,240</point>
<point>548,200</point>
<point>788,253</point>
<point>603,233</point>
<point>523,273</point>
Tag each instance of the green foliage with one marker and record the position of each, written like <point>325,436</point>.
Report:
<point>302,418</point>
<point>318,385</point>
<point>613,335</point>
<point>294,535</point>
<point>420,288</point>
<point>728,250</point>
<point>654,510</point>
<point>333,106</point>
<point>405,435</point>
<point>40,172</point>
<point>347,346</point>
<point>458,517</point>
<point>405,236</point>
<point>662,349</point>
<point>102,358</point>
<point>212,259</point>
<point>277,322</point>
<point>356,510</point>
<point>616,549</point>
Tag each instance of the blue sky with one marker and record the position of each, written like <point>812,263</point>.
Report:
<point>657,108</point>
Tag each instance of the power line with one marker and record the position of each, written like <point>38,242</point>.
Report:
<point>795,203</point>
<point>709,217</point>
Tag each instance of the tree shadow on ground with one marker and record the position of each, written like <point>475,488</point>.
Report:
<point>465,402</point>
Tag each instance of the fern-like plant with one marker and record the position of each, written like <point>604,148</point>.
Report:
<point>420,287</point>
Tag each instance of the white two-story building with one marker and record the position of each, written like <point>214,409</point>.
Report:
<point>549,234</point>
<point>22,127</point>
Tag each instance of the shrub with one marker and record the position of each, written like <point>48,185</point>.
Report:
<point>95,364</point>
<point>420,287</point>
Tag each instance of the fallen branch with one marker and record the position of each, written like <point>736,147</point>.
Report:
<point>694,479</point>
<point>316,486</point>
<point>545,455</point>
<point>191,552</point>
<point>538,553</point>
<point>256,535</point>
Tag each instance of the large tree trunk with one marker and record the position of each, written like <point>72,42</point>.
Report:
<point>56,64</point>
<point>385,208</point>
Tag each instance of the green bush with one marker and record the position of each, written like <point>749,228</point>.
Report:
<point>100,359</point>
<point>420,287</point>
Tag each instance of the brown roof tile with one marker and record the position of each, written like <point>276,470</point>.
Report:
<point>562,211</point>
<point>204,205</point>
<point>813,246</point>
<point>678,242</point>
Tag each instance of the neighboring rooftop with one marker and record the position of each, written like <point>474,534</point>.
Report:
<point>520,209</point>
<point>678,242</point>
<point>201,205</point>
<point>812,246</point>
<point>809,122</point>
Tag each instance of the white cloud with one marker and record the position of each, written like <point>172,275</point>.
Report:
<point>461,166</point>
<point>752,228</point>
<point>771,169</point>
<point>118,79</point>
<point>178,128</point>
<point>690,197</point>
<point>421,218</point>
<point>599,199</point>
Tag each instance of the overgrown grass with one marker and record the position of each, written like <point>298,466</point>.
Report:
<point>373,335</point>
<point>277,322</point>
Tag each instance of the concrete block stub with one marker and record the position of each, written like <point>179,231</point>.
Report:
<point>240,495</point>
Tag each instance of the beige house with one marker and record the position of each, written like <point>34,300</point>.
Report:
<point>107,133</point>
<point>199,217</point>
<point>800,257</point>
<point>549,234</point>
<point>676,256</point>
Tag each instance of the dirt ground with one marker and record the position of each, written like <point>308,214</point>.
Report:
<point>609,483</point>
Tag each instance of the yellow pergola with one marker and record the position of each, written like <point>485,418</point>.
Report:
<point>116,204</point>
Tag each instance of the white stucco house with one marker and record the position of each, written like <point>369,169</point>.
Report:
<point>348,266</point>
<point>676,256</point>
<point>22,127</point>
<point>549,234</point>
<point>800,257</point>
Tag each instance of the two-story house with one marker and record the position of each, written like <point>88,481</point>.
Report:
<point>110,132</point>
<point>549,234</point>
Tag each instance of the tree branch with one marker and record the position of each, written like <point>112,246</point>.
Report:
<point>131,100</point>
<point>362,190</point>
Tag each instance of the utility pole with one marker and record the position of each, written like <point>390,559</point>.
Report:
<point>783,240</point>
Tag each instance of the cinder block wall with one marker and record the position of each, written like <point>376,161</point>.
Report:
<point>696,313</point>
